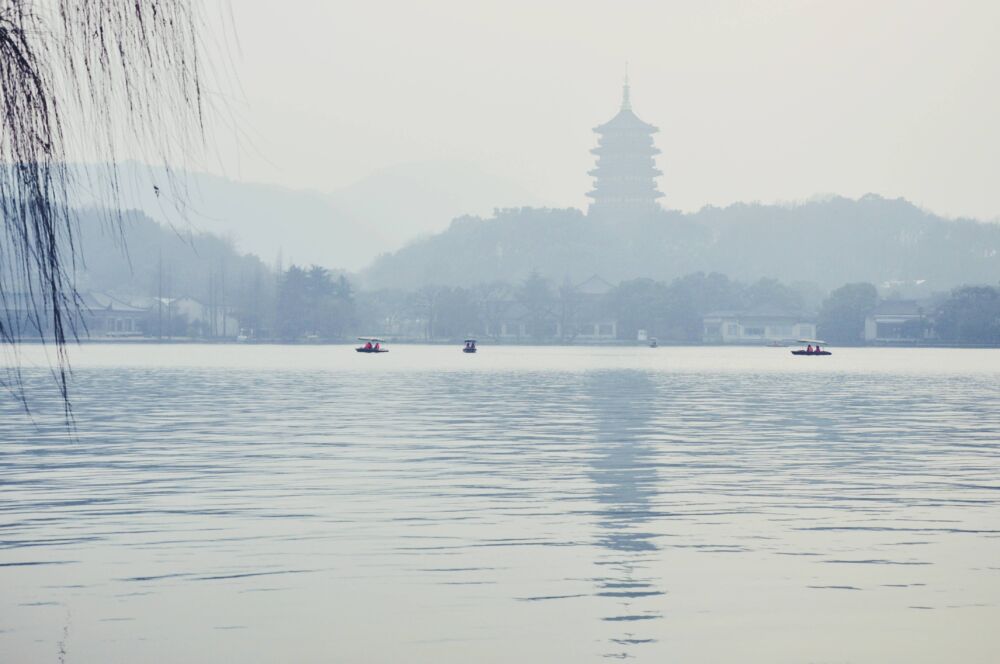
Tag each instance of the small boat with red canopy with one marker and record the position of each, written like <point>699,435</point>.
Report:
<point>813,347</point>
<point>371,345</point>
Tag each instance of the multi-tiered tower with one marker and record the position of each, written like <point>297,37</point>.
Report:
<point>625,176</point>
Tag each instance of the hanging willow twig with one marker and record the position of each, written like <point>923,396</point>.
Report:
<point>92,80</point>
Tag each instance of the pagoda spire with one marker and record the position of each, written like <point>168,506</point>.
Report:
<point>626,96</point>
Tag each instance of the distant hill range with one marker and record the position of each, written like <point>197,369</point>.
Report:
<point>406,210</point>
<point>827,243</point>
<point>345,228</point>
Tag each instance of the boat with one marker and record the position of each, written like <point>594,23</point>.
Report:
<point>470,346</point>
<point>809,350</point>
<point>652,342</point>
<point>372,345</point>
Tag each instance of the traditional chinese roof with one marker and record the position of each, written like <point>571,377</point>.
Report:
<point>595,285</point>
<point>96,301</point>
<point>626,120</point>
<point>761,314</point>
<point>899,308</point>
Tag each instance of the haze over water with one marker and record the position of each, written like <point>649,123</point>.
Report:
<point>310,504</point>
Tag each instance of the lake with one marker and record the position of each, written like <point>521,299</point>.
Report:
<point>523,504</point>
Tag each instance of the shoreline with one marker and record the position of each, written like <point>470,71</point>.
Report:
<point>176,341</point>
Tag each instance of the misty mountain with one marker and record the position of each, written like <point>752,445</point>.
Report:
<point>827,242</point>
<point>407,200</point>
<point>344,228</point>
<point>260,219</point>
<point>134,256</point>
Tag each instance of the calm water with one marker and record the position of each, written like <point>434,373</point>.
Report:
<point>310,504</point>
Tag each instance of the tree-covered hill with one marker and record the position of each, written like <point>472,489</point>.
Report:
<point>134,255</point>
<point>827,242</point>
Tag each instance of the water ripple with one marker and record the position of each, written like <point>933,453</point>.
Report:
<point>530,504</point>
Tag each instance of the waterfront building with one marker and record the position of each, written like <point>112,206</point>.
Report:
<point>107,316</point>
<point>899,321</point>
<point>592,318</point>
<point>757,326</point>
<point>579,312</point>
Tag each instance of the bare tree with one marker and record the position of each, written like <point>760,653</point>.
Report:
<point>96,80</point>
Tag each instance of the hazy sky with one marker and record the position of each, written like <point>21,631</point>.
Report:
<point>768,101</point>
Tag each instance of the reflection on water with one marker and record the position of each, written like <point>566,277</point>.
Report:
<point>697,505</point>
<point>624,472</point>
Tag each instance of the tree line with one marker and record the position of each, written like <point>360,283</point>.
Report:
<point>966,315</point>
<point>311,302</point>
<point>672,310</point>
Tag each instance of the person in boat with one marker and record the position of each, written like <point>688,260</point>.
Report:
<point>368,346</point>
<point>809,348</point>
<point>376,346</point>
<point>817,348</point>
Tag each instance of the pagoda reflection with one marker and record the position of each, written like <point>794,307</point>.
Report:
<point>624,473</point>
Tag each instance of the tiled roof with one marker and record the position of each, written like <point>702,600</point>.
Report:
<point>97,301</point>
<point>594,286</point>
<point>899,308</point>
<point>627,120</point>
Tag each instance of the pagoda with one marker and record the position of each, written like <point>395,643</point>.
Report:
<point>625,176</point>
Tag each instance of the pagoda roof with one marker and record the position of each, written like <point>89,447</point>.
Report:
<point>603,171</point>
<point>634,196</point>
<point>642,151</point>
<point>625,120</point>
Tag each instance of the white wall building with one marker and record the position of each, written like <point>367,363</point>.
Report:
<point>898,321</point>
<point>756,327</point>
<point>210,321</point>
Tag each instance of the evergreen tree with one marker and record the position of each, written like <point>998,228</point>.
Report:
<point>842,317</point>
<point>970,315</point>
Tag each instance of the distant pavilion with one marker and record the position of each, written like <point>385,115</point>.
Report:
<point>625,176</point>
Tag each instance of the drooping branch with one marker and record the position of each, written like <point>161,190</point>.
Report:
<point>97,81</point>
